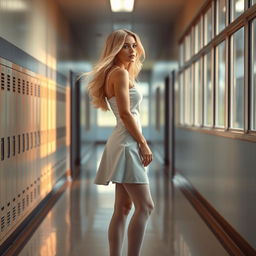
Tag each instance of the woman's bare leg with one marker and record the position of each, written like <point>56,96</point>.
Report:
<point>122,207</point>
<point>141,197</point>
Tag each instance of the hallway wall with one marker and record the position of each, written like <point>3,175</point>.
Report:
<point>35,107</point>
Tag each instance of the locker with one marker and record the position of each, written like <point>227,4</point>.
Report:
<point>24,171</point>
<point>2,152</point>
<point>9,161</point>
<point>19,121</point>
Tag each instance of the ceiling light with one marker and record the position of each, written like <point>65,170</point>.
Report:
<point>122,5</point>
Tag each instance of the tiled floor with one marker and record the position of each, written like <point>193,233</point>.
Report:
<point>77,225</point>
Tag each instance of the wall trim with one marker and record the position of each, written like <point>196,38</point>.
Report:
<point>12,53</point>
<point>231,240</point>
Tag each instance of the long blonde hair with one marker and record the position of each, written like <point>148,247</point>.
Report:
<point>113,45</point>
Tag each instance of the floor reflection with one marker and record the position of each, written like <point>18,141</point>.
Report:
<point>77,225</point>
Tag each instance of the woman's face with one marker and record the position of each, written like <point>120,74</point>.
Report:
<point>128,52</point>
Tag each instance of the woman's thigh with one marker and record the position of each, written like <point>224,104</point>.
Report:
<point>139,194</point>
<point>122,198</point>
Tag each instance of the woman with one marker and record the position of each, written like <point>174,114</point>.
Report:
<point>126,153</point>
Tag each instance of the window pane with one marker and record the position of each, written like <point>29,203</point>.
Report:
<point>198,94</point>
<point>187,47</point>
<point>181,94</point>
<point>182,54</point>
<point>191,96</point>
<point>237,8</point>
<point>253,78</point>
<point>208,109</point>
<point>253,2</point>
<point>220,83</point>
<point>188,98</point>
<point>208,26</point>
<point>237,80</point>
<point>197,37</point>
<point>221,15</point>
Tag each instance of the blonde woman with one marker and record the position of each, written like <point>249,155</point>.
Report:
<point>126,152</point>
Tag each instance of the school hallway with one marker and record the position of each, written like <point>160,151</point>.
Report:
<point>77,224</point>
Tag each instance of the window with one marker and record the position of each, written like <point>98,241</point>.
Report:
<point>143,87</point>
<point>220,84</point>
<point>182,54</point>
<point>197,39</point>
<point>253,77</point>
<point>221,15</point>
<point>198,93</point>
<point>253,2</point>
<point>208,26</point>
<point>208,90</point>
<point>181,97</point>
<point>188,96</point>
<point>237,8</point>
<point>237,80</point>
<point>187,47</point>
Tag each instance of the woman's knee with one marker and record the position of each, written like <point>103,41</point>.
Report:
<point>123,208</point>
<point>145,208</point>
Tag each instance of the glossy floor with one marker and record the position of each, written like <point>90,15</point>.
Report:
<point>77,224</point>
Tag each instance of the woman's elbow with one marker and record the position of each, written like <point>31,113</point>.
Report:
<point>125,115</point>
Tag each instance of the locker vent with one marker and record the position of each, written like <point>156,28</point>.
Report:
<point>27,200</point>
<point>23,86</point>
<point>8,82</point>
<point>27,87</point>
<point>2,81</point>
<point>2,223</point>
<point>38,189</point>
<point>14,213</point>
<point>19,209</point>
<point>31,197</point>
<point>31,89</point>
<point>19,85</point>
<point>35,89</point>
<point>8,218</point>
<point>39,91</point>
<point>34,192</point>
<point>14,84</point>
<point>23,204</point>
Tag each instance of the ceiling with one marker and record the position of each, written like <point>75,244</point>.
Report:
<point>153,20</point>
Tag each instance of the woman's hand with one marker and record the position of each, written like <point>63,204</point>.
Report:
<point>145,154</point>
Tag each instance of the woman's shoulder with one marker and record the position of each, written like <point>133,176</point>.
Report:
<point>118,73</point>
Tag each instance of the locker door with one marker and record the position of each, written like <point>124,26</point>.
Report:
<point>2,154</point>
<point>14,146</point>
<point>28,142</point>
<point>23,151</point>
<point>19,113</point>
<point>37,129</point>
<point>9,165</point>
<point>33,147</point>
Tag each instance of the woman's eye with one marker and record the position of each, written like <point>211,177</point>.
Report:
<point>135,45</point>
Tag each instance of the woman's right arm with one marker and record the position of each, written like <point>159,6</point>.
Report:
<point>121,88</point>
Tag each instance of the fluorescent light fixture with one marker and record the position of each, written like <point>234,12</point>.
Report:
<point>14,5</point>
<point>122,5</point>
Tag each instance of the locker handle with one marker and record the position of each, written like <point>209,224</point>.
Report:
<point>14,144</point>
<point>2,149</point>
<point>9,147</point>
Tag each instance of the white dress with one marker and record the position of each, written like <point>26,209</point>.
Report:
<point>120,160</point>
